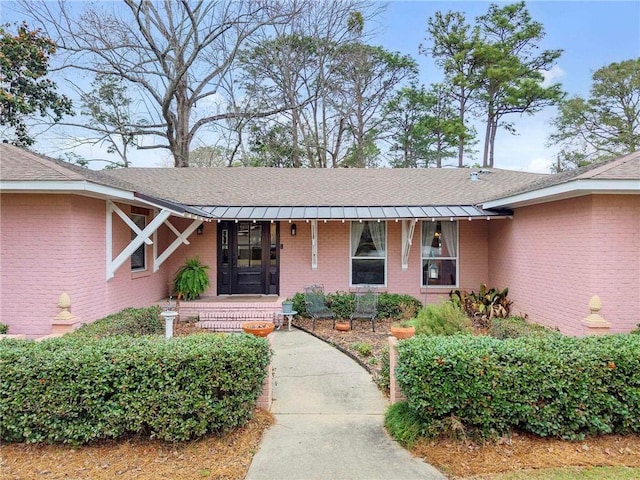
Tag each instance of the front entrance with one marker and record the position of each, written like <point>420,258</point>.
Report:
<point>248,258</point>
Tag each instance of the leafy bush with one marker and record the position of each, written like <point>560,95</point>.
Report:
<point>551,386</point>
<point>484,306</point>
<point>383,380</point>
<point>363,348</point>
<point>343,304</point>
<point>441,319</point>
<point>516,327</point>
<point>79,389</point>
<point>403,424</point>
<point>130,321</point>
<point>4,328</point>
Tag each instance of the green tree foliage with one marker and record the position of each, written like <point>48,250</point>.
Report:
<point>24,92</point>
<point>424,126</point>
<point>605,125</point>
<point>511,69</point>
<point>452,43</point>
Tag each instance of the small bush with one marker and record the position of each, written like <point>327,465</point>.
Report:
<point>383,380</point>
<point>550,386</point>
<point>363,348</point>
<point>130,321</point>
<point>441,319</point>
<point>516,327</point>
<point>403,424</point>
<point>4,328</point>
<point>80,389</point>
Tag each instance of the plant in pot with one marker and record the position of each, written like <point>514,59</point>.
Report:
<point>403,329</point>
<point>287,306</point>
<point>191,279</point>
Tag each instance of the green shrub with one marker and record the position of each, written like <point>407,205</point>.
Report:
<point>343,304</point>
<point>441,319</point>
<point>383,380</point>
<point>550,386</point>
<point>484,306</point>
<point>403,424</point>
<point>130,321</point>
<point>363,348</point>
<point>79,389</point>
<point>4,328</point>
<point>516,327</point>
<point>191,279</point>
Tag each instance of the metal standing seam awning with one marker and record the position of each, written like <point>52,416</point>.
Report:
<point>342,213</point>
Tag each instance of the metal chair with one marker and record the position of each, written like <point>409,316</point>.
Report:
<point>316,303</point>
<point>366,306</point>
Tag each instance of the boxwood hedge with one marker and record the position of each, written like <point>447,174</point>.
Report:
<point>551,386</point>
<point>78,389</point>
<point>130,321</point>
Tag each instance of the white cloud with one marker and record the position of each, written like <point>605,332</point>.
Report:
<point>551,76</point>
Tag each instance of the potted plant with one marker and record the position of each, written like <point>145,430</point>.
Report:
<point>403,329</point>
<point>259,329</point>
<point>287,306</point>
<point>191,279</point>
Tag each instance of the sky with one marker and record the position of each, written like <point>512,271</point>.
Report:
<point>592,34</point>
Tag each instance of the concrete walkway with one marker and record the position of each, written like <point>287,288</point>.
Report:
<point>329,417</point>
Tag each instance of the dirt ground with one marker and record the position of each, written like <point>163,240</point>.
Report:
<point>229,457</point>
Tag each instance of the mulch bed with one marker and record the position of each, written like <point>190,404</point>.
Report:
<point>212,457</point>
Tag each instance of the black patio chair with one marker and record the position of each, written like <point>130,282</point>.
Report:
<point>366,306</point>
<point>316,303</point>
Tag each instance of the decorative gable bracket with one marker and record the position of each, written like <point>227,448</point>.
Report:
<point>408,228</point>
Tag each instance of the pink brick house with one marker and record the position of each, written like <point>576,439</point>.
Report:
<point>113,239</point>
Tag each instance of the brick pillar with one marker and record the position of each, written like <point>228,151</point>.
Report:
<point>395,395</point>
<point>595,324</point>
<point>266,397</point>
<point>65,321</point>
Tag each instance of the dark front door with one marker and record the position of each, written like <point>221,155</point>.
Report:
<point>248,258</point>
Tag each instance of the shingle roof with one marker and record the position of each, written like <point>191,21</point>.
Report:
<point>621,168</point>
<point>322,187</point>
<point>19,164</point>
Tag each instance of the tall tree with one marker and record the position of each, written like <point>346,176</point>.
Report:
<point>511,69</point>
<point>24,90</point>
<point>175,54</point>
<point>368,76</point>
<point>451,43</point>
<point>605,125</point>
<point>424,126</point>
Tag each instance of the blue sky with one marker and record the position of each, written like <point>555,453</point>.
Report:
<point>592,34</point>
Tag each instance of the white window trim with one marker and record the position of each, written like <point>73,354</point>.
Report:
<point>457,259</point>
<point>386,256</point>
<point>143,246</point>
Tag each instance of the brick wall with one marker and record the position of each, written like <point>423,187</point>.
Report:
<point>554,257</point>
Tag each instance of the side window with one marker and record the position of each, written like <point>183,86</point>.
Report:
<point>139,257</point>
<point>368,253</point>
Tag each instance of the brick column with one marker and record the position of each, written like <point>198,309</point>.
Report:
<point>595,324</point>
<point>266,397</point>
<point>395,395</point>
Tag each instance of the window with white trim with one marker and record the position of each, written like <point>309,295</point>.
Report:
<point>368,253</point>
<point>440,253</point>
<point>139,257</point>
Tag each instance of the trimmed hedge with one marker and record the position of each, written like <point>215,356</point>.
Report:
<point>343,304</point>
<point>552,386</point>
<point>78,389</point>
<point>516,327</point>
<point>130,321</point>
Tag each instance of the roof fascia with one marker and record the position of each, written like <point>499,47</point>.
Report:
<point>57,186</point>
<point>563,191</point>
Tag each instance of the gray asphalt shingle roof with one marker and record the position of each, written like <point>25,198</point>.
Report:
<point>322,187</point>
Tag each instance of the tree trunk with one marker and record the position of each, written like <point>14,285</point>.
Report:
<point>494,129</point>
<point>461,136</point>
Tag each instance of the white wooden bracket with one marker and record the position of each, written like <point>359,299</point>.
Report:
<point>142,236</point>
<point>182,239</point>
<point>408,227</point>
<point>314,244</point>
